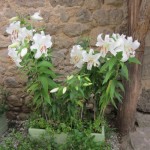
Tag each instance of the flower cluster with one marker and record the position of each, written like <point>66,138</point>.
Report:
<point>108,45</point>
<point>25,39</point>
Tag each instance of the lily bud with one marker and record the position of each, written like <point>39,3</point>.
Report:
<point>14,19</point>
<point>14,45</point>
<point>54,90</point>
<point>23,52</point>
<point>64,90</point>
<point>36,16</point>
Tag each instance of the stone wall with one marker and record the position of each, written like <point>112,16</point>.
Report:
<point>143,108</point>
<point>66,21</point>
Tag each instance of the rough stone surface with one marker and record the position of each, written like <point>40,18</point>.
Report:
<point>75,29</point>
<point>66,21</point>
<point>4,42</point>
<point>14,100</point>
<point>101,16</point>
<point>115,16</point>
<point>68,3</point>
<point>104,17</point>
<point>96,31</point>
<point>84,15</point>
<point>143,120</point>
<point>140,140</point>
<point>10,82</point>
<point>113,2</point>
<point>144,101</point>
<point>27,3</point>
<point>96,4</point>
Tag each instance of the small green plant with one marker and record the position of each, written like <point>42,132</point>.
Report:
<point>31,51</point>
<point>75,141</point>
<point>18,141</point>
<point>82,141</point>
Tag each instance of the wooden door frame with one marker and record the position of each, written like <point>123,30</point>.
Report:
<point>138,25</point>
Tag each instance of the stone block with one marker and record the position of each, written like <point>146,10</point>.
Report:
<point>9,13</point>
<point>144,101</point>
<point>68,3</point>
<point>101,16</point>
<point>22,116</point>
<point>115,16</point>
<point>75,29</point>
<point>14,100</point>
<point>140,140</point>
<point>29,3</point>
<point>64,16</point>
<point>113,2</point>
<point>108,17</point>
<point>143,120</point>
<point>2,70</point>
<point>10,82</point>
<point>62,42</point>
<point>84,15</point>
<point>95,4</point>
<point>4,42</point>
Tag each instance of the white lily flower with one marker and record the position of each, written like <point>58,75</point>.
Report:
<point>54,90</point>
<point>105,45</point>
<point>25,34</point>
<point>14,45</point>
<point>36,16</point>
<point>91,59</point>
<point>41,43</point>
<point>12,52</point>
<point>64,90</point>
<point>77,56</point>
<point>13,29</point>
<point>23,52</point>
<point>14,19</point>
<point>127,46</point>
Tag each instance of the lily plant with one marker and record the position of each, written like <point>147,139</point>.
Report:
<point>30,50</point>
<point>105,66</point>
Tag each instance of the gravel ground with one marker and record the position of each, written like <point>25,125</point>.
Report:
<point>114,142</point>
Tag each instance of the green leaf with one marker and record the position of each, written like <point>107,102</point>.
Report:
<point>108,76</point>
<point>134,60</point>
<point>112,62</point>
<point>112,88</point>
<point>52,84</point>
<point>44,82</point>
<point>80,103</point>
<point>33,87</point>
<point>124,70</point>
<point>45,64</point>
<point>36,97</point>
<point>47,71</point>
<point>119,55</point>
<point>46,96</point>
<point>120,85</point>
<point>118,96</point>
<point>104,67</point>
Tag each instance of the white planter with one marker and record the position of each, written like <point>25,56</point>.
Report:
<point>62,137</point>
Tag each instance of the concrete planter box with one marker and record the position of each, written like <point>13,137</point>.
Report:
<point>3,124</point>
<point>62,137</point>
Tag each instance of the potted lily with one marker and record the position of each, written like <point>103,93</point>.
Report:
<point>79,102</point>
<point>30,51</point>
